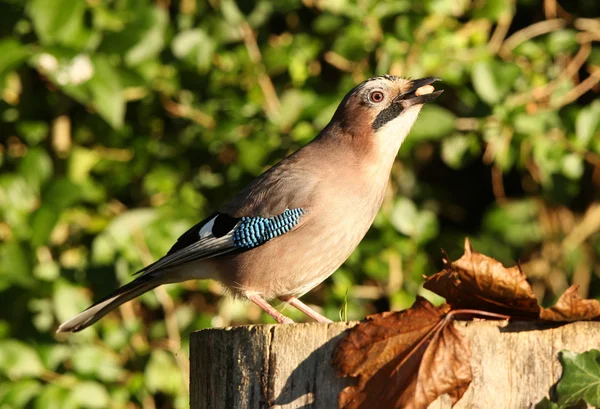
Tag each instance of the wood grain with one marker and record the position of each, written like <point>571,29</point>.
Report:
<point>287,366</point>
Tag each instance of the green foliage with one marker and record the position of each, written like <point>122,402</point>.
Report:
<point>124,122</point>
<point>580,379</point>
<point>579,385</point>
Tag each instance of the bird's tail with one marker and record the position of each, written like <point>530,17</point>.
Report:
<point>129,291</point>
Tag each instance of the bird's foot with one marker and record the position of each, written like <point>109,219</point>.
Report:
<point>296,303</point>
<point>265,306</point>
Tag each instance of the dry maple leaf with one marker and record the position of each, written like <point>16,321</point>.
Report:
<point>403,359</point>
<point>476,281</point>
<point>407,359</point>
<point>445,368</point>
<point>571,307</point>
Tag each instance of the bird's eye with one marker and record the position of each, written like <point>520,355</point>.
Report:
<point>376,96</point>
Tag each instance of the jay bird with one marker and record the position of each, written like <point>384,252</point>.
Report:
<point>294,225</point>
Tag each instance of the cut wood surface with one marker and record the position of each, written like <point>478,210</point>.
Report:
<point>288,366</point>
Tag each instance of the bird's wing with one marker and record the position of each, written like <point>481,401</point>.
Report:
<point>270,206</point>
<point>222,235</point>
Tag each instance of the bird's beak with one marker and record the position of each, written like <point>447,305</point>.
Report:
<point>412,97</point>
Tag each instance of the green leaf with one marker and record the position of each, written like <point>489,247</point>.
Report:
<point>493,79</point>
<point>194,46</point>
<point>15,268</point>
<point>106,92</point>
<point>89,394</point>
<point>154,22</point>
<point>408,220</point>
<point>573,166</point>
<point>13,54</point>
<point>58,21</point>
<point>161,179</point>
<point>515,222</point>
<point>292,104</point>
<point>68,300</point>
<point>53,396</point>
<point>81,162</point>
<point>580,379</point>
<point>162,374</point>
<point>54,355</point>
<point>122,227</point>
<point>20,394</point>
<point>546,404</point>
<point>434,122</point>
<point>261,13</point>
<point>33,131</point>
<point>94,361</point>
<point>327,23</point>
<point>587,124</point>
<point>458,149</point>
<point>47,270</point>
<point>19,360</point>
<point>61,193</point>
<point>36,167</point>
<point>536,124</point>
<point>395,8</point>
<point>231,12</point>
<point>42,224</point>
<point>492,9</point>
<point>447,7</point>
<point>562,41</point>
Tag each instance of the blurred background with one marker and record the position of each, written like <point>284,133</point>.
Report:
<point>124,122</point>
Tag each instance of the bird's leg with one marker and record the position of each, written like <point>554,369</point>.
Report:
<point>265,306</point>
<point>294,302</point>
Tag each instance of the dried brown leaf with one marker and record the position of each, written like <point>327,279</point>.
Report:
<point>445,368</point>
<point>476,281</point>
<point>382,337</point>
<point>571,307</point>
<point>403,359</point>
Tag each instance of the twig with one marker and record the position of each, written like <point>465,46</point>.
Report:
<point>173,333</point>
<point>61,135</point>
<point>481,313</point>
<point>587,226</point>
<point>272,104</point>
<point>500,32</point>
<point>570,70</point>
<point>529,32</point>
<point>498,185</point>
<point>395,276</point>
<point>338,61</point>
<point>116,154</point>
<point>591,157</point>
<point>149,402</point>
<point>582,274</point>
<point>467,124</point>
<point>491,148</point>
<point>139,340</point>
<point>588,24</point>
<point>581,88</point>
<point>550,9</point>
<point>188,112</point>
<point>187,7</point>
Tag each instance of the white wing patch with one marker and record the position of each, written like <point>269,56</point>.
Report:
<point>206,230</point>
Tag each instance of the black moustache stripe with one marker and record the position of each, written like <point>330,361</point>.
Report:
<point>387,115</point>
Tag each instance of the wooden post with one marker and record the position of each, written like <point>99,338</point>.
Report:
<point>287,366</point>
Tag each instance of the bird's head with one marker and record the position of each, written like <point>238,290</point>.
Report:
<point>380,111</point>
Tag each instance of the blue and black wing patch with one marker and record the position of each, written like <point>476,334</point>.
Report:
<point>251,232</point>
<point>221,234</point>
